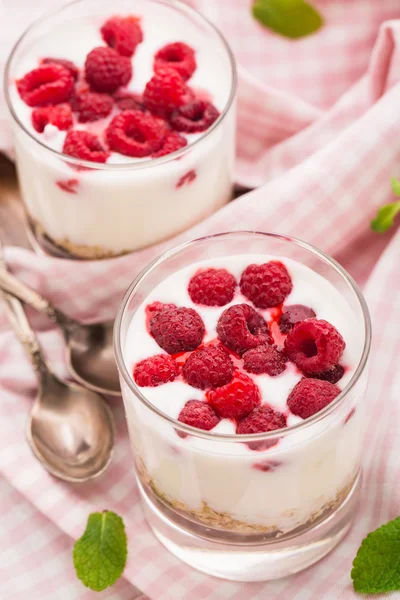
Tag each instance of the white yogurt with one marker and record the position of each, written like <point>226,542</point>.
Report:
<point>310,468</point>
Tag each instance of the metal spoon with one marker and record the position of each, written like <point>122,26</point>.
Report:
<point>89,348</point>
<point>70,429</point>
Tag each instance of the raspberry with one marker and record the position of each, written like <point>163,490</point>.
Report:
<point>128,101</point>
<point>197,413</point>
<point>156,370</point>
<point>67,64</point>
<point>165,91</point>
<point>263,418</point>
<point>309,396</point>
<point>84,145</point>
<point>236,399</point>
<point>156,307</point>
<point>333,375</point>
<point>266,285</point>
<point>91,106</point>
<point>194,117</point>
<point>212,287</point>
<point>134,133</point>
<point>172,142</point>
<point>241,327</point>
<point>177,329</point>
<point>178,56</point>
<point>106,70</point>
<point>264,359</point>
<point>60,116</point>
<point>208,367</point>
<point>123,34</point>
<point>292,315</point>
<point>314,345</point>
<point>48,84</point>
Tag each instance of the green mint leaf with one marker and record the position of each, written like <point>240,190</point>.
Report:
<point>395,186</point>
<point>100,554</point>
<point>376,568</point>
<point>290,18</point>
<point>385,217</point>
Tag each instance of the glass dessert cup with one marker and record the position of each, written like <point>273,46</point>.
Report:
<point>248,507</point>
<point>87,210</point>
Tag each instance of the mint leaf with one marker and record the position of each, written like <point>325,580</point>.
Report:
<point>395,186</point>
<point>290,18</point>
<point>385,216</point>
<point>376,568</point>
<point>100,554</point>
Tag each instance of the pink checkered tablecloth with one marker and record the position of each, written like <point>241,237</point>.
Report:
<point>319,135</point>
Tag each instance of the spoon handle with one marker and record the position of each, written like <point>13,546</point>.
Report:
<point>19,322</point>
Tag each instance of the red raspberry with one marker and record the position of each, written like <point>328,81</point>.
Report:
<point>236,399</point>
<point>134,133</point>
<point>241,327</point>
<point>177,329</point>
<point>156,370</point>
<point>266,285</point>
<point>314,345</point>
<point>194,117</point>
<point>178,56</point>
<point>208,367</point>
<point>172,142</point>
<point>128,101</point>
<point>156,307</point>
<point>60,116</point>
<point>264,359</point>
<point>123,34</point>
<point>333,375</point>
<point>292,315</point>
<point>263,418</point>
<point>67,64</point>
<point>309,396</point>
<point>91,106</point>
<point>197,413</point>
<point>84,145</point>
<point>212,287</point>
<point>165,91</point>
<point>48,84</point>
<point>106,70</point>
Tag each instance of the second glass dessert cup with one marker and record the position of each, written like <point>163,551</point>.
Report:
<point>230,511</point>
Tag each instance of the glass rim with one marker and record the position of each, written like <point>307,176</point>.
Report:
<point>224,437</point>
<point>174,4</point>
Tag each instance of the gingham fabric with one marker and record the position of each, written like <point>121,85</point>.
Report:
<point>319,130</point>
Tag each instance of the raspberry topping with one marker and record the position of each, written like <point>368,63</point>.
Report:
<point>333,375</point>
<point>199,414</point>
<point>48,84</point>
<point>156,307</point>
<point>266,285</point>
<point>155,371</point>
<point>293,314</point>
<point>263,418</point>
<point>178,56</point>
<point>172,142</point>
<point>309,396</point>
<point>194,116</point>
<point>264,359</point>
<point>314,345</point>
<point>60,116</point>
<point>177,329</point>
<point>134,133</point>
<point>84,145</point>
<point>91,106</point>
<point>67,64</point>
<point>236,399</point>
<point>123,34</point>
<point>241,327</point>
<point>106,70</point>
<point>212,287</point>
<point>128,101</point>
<point>165,91</point>
<point>208,367</point>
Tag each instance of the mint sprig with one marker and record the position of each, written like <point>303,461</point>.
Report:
<point>376,568</point>
<point>290,18</point>
<point>387,213</point>
<point>100,554</point>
